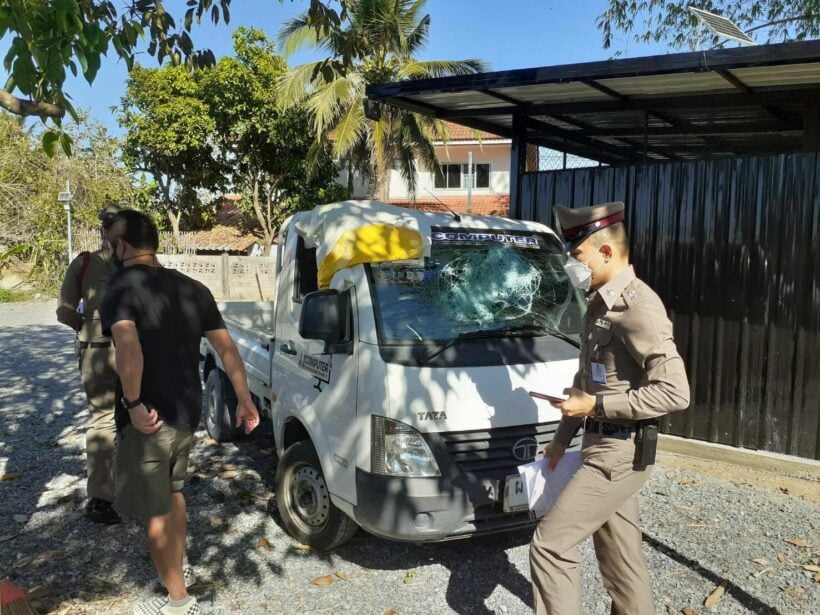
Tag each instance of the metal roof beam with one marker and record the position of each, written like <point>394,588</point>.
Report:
<point>687,129</point>
<point>773,110</point>
<point>653,105</point>
<point>628,151</point>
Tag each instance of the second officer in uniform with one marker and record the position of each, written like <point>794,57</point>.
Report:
<point>629,374</point>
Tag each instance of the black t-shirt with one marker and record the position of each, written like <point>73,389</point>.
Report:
<point>171,312</point>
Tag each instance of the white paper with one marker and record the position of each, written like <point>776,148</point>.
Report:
<point>543,485</point>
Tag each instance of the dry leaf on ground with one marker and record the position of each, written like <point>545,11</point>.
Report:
<point>686,508</point>
<point>799,542</point>
<point>229,475</point>
<point>781,558</point>
<point>391,612</point>
<point>301,547</point>
<point>325,580</point>
<point>817,577</point>
<point>341,575</point>
<point>760,573</point>
<point>794,592</point>
<point>409,577</point>
<point>688,611</point>
<point>716,595</point>
<point>671,610</point>
<point>762,561</point>
<point>9,476</point>
<point>811,568</point>
<point>688,481</point>
<point>264,543</point>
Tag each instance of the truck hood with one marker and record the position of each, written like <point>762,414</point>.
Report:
<point>466,398</point>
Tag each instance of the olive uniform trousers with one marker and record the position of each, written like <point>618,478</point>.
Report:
<point>99,376</point>
<point>600,500</point>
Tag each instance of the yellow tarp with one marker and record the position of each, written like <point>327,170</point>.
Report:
<point>373,243</point>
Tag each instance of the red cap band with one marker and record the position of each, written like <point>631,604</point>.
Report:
<point>584,230</point>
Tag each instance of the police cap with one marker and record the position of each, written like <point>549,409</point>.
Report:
<point>575,225</point>
<point>108,213</point>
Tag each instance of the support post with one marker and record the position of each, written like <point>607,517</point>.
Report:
<point>226,275</point>
<point>518,151</point>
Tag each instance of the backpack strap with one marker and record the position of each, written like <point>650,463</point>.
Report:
<point>81,274</point>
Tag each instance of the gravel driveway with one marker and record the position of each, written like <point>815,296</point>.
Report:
<point>702,529</point>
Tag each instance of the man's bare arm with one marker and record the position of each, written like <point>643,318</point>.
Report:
<point>246,412</point>
<point>129,367</point>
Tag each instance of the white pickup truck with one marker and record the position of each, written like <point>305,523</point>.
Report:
<point>396,363</point>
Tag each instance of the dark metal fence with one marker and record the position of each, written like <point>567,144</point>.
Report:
<point>732,248</point>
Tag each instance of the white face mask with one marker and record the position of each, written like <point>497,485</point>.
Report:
<point>579,273</point>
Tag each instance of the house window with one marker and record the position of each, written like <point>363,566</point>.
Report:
<point>455,176</point>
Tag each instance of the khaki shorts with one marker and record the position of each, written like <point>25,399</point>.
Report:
<point>149,468</point>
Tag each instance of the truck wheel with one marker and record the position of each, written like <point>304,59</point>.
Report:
<point>304,502</point>
<point>219,407</point>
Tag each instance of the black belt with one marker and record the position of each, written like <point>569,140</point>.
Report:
<point>621,430</point>
<point>83,345</point>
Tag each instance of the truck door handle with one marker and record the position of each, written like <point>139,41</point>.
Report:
<point>288,348</point>
<point>264,342</point>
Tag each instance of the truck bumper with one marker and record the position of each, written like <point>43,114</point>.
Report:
<point>431,509</point>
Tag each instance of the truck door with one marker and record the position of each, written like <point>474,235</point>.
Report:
<point>317,389</point>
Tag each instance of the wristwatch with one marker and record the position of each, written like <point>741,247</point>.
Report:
<point>598,411</point>
<point>131,404</point>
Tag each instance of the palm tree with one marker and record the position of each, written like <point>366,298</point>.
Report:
<point>374,42</point>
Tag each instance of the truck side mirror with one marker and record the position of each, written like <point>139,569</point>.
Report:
<point>326,316</point>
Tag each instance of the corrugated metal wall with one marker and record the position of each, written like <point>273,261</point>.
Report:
<point>732,248</point>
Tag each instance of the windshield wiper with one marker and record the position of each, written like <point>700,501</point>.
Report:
<point>521,331</point>
<point>562,336</point>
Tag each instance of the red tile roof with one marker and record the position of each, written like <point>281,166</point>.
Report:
<point>462,133</point>
<point>483,204</point>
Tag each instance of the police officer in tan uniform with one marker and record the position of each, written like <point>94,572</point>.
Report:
<point>629,374</point>
<point>84,281</point>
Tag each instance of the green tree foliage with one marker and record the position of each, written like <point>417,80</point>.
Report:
<point>169,136</point>
<point>671,22</point>
<point>51,37</point>
<point>47,39</point>
<point>368,41</point>
<point>261,146</point>
<point>30,180</point>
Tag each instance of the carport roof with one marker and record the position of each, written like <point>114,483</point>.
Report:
<point>720,103</point>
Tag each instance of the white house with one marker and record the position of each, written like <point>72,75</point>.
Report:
<point>491,176</point>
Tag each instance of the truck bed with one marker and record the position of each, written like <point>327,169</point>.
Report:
<point>251,325</point>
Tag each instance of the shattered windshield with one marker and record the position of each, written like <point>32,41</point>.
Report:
<point>474,282</point>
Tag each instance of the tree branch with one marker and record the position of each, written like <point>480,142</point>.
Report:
<point>20,106</point>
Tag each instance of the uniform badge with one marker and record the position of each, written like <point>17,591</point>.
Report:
<point>604,324</point>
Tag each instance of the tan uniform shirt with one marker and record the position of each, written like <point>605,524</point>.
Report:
<point>627,331</point>
<point>90,289</point>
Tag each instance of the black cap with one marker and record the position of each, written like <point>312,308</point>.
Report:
<point>108,212</point>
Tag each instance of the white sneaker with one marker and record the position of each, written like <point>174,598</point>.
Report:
<point>161,606</point>
<point>187,574</point>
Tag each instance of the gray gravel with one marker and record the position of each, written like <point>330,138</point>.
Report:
<point>701,529</point>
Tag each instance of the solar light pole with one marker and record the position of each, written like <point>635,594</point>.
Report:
<point>65,198</point>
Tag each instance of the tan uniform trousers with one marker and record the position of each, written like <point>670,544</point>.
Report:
<point>600,500</point>
<point>99,377</point>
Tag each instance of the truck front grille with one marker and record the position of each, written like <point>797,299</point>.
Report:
<point>491,453</point>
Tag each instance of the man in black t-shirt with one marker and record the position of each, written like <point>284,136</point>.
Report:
<point>157,317</point>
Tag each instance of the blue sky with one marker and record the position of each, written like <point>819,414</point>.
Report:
<point>507,34</point>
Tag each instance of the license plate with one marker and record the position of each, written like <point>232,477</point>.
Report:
<point>515,498</point>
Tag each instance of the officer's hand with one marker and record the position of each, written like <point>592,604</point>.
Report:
<point>553,453</point>
<point>577,404</point>
<point>144,420</point>
<point>246,413</point>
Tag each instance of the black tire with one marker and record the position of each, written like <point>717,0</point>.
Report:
<point>219,407</point>
<point>303,501</point>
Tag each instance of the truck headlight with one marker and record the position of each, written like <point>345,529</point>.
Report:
<point>397,449</point>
